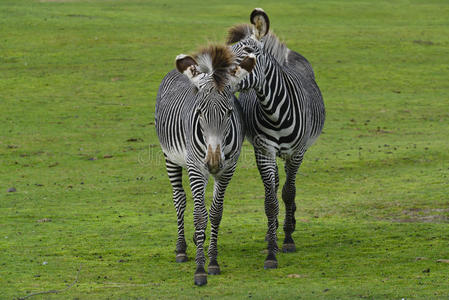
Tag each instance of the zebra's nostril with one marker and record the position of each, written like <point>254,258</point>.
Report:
<point>213,169</point>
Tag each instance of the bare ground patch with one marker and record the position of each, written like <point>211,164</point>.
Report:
<point>61,1</point>
<point>417,215</point>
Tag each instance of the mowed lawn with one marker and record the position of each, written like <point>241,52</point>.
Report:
<point>93,207</point>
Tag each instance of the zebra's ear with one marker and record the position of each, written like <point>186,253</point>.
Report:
<point>187,65</point>
<point>243,69</point>
<point>260,21</point>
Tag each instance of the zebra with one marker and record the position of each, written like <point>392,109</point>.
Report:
<point>283,112</point>
<point>198,122</point>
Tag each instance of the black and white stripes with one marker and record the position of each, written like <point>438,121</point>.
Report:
<point>200,125</point>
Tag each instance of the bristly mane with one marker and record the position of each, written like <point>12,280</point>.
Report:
<point>216,60</point>
<point>238,32</point>
<point>275,47</point>
<point>271,42</point>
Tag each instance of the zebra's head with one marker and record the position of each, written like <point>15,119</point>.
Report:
<point>256,39</point>
<point>215,74</point>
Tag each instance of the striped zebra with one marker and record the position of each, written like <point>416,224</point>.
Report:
<point>198,122</point>
<point>283,112</point>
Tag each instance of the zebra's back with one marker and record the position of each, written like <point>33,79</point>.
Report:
<point>300,64</point>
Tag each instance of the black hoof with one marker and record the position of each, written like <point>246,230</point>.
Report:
<point>200,279</point>
<point>181,257</point>
<point>288,248</point>
<point>270,264</point>
<point>213,270</point>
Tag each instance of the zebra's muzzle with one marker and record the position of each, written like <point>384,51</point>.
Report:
<point>213,159</point>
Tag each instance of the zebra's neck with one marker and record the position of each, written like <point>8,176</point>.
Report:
<point>273,94</point>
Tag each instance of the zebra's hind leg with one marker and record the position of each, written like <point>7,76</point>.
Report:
<point>198,185</point>
<point>215,214</point>
<point>268,170</point>
<point>179,200</point>
<point>288,196</point>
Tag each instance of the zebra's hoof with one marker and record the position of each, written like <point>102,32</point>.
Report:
<point>200,279</point>
<point>181,257</point>
<point>213,270</point>
<point>288,248</point>
<point>270,264</point>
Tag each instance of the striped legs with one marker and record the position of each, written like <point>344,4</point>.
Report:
<point>215,214</point>
<point>288,196</point>
<point>198,184</point>
<point>268,171</point>
<point>276,187</point>
<point>179,200</point>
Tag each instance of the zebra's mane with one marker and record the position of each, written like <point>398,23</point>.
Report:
<point>216,60</point>
<point>271,42</point>
<point>275,47</point>
<point>238,32</point>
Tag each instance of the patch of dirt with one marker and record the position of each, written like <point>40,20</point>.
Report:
<point>296,276</point>
<point>59,1</point>
<point>418,215</point>
<point>421,42</point>
<point>44,220</point>
<point>424,219</point>
<point>120,285</point>
<point>134,140</point>
<point>79,16</point>
<point>379,130</point>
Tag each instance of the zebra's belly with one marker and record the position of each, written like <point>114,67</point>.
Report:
<point>273,146</point>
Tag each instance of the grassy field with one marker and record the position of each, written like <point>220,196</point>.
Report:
<point>78,82</point>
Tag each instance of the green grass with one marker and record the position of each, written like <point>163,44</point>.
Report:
<point>78,80</point>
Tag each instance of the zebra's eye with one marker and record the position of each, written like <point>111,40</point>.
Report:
<point>248,50</point>
<point>199,112</point>
<point>229,112</point>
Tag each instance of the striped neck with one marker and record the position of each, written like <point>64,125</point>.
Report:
<point>273,94</point>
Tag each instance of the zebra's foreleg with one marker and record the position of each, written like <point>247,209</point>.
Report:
<point>198,185</point>
<point>268,171</point>
<point>215,214</point>
<point>276,191</point>
<point>288,196</point>
<point>179,200</point>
